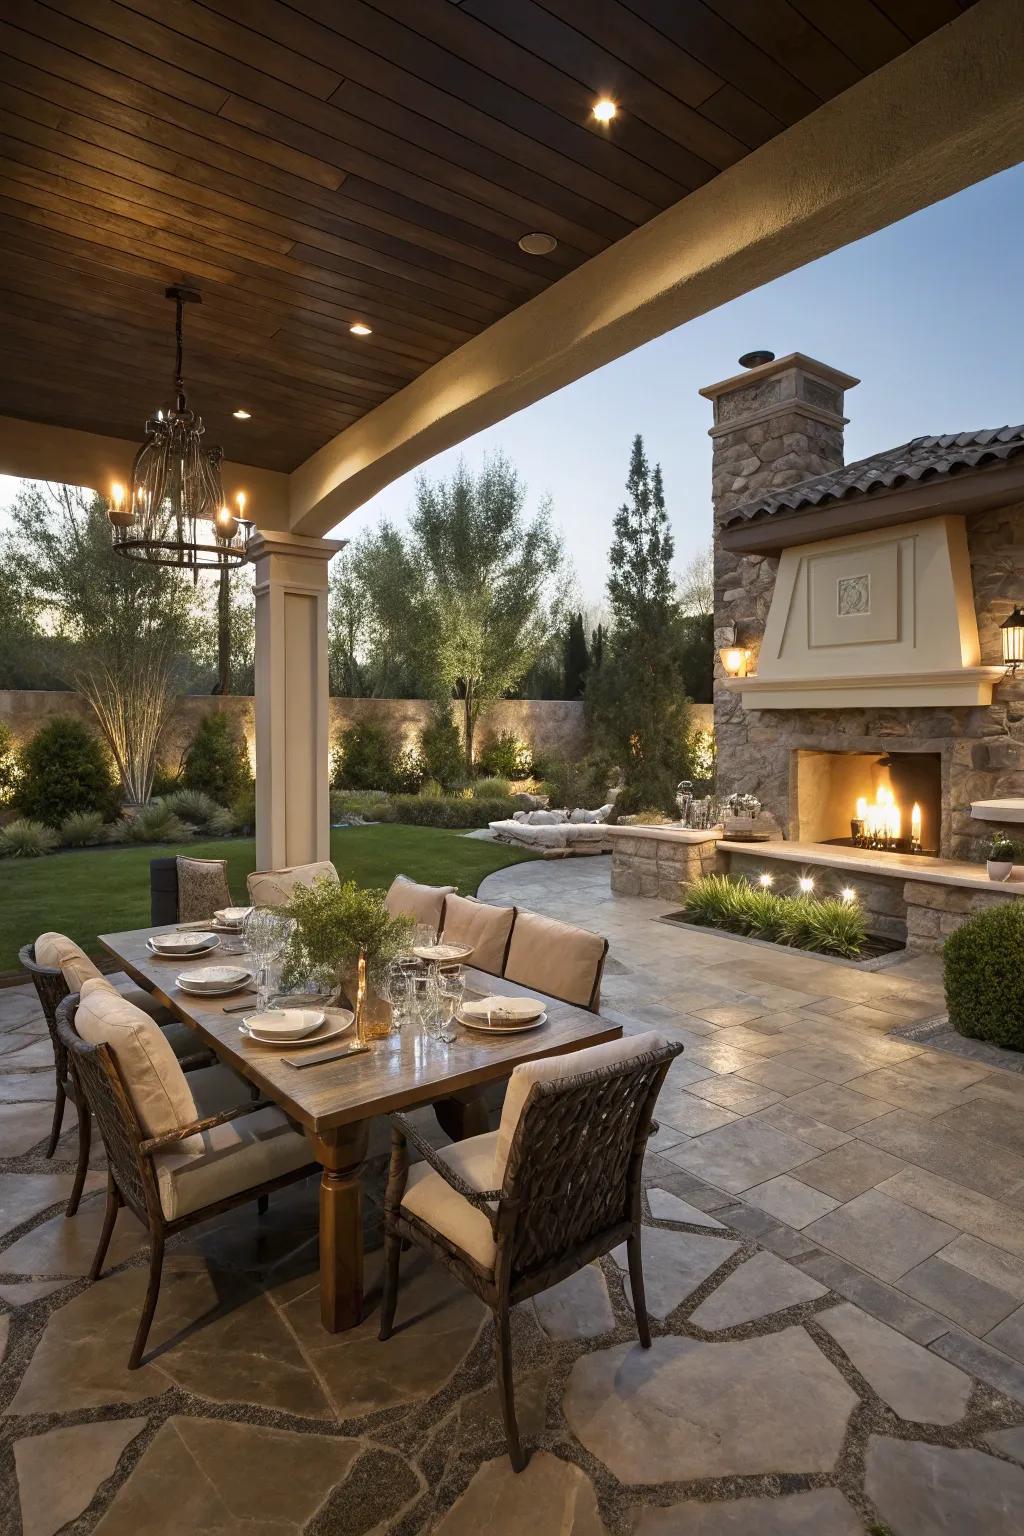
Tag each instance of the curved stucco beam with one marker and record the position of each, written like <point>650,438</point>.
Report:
<point>945,114</point>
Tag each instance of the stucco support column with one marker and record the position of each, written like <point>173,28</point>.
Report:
<point>292,721</point>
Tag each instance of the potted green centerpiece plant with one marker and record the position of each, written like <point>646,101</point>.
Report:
<point>333,925</point>
<point>1000,852</point>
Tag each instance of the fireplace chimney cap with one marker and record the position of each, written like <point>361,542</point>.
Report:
<point>756,359</point>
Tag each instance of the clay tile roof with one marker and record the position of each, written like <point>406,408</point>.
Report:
<point>923,458</point>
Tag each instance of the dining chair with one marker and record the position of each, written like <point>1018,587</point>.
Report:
<point>557,958</point>
<point>169,1163</point>
<point>274,887</point>
<point>183,889</point>
<point>486,929</point>
<point>423,903</point>
<point>512,1212</point>
<point>58,967</point>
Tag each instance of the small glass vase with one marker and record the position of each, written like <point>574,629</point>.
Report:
<point>374,1018</point>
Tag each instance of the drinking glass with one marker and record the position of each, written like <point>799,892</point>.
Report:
<point>397,989</point>
<point>452,988</point>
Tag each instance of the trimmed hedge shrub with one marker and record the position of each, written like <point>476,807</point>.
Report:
<point>825,924</point>
<point>64,769</point>
<point>984,975</point>
<point>505,757</point>
<point>217,762</point>
<point>455,811</point>
<point>441,751</point>
<point>367,756</point>
<point>9,771</point>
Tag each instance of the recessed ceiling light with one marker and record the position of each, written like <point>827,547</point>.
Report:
<point>604,109</point>
<point>359,329</point>
<point>241,414</point>
<point>537,244</point>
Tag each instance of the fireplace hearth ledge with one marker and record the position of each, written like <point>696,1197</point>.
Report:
<point>868,861</point>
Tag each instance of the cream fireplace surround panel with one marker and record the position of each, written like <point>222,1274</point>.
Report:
<point>877,619</point>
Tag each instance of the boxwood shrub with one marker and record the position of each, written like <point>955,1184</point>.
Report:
<point>64,769</point>
<point>984,974</point>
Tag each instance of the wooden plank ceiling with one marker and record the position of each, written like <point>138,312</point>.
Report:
<point>323,162</point>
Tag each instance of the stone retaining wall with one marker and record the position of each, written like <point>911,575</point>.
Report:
<point>936,911</point>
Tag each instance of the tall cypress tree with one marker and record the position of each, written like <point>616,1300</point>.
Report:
<point>638,699</point>
<point>577,658</point>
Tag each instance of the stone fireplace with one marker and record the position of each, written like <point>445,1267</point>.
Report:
<point>870,712</point>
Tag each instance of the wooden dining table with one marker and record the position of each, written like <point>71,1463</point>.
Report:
<point>336,1101</point>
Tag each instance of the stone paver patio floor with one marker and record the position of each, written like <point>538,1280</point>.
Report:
<point>835,1265</point>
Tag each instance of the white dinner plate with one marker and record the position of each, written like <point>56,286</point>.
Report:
<point>484,1028</point>
<point>336,1023</point>
<point>232,917</point>
<point>213,980</point>
<point>190,950</point>
<point>283,1023</point>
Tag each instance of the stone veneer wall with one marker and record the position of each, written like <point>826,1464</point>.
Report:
<point>763,444</point>
<point>648,866</point>
<point>557,726</point>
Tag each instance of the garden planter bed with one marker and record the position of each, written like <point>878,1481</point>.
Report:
<point>879,951</point>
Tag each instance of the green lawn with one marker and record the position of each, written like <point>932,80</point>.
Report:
<point>103,890</point>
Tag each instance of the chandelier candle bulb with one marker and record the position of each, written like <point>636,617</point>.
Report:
<point>119,515</point>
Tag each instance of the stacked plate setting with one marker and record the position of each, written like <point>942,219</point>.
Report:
<point>296,1026</point>
<point>181,946</point>
<point>230,919</point>
<point>214,980</point>
<point>498,1015</point>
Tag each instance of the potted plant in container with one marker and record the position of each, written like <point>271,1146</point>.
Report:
<point>333,923</point>
<point>1000,852</point>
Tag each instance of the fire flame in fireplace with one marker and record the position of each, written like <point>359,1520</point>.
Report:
<point>881,820</point>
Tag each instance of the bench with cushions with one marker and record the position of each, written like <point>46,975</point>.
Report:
<point>555,958</point>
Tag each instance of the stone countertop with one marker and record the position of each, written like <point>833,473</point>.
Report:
<point>896,866</point>
<point>668,834</point>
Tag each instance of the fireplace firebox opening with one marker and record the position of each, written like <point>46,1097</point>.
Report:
<point>890,801</point>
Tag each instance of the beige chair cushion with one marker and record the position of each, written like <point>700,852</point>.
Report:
<point>486,928</point>
<point>273,888</point>
<point>552,1069</point>
<point>556,958</point>
<point>202,888</point>
<point>219,1163</point>
<point>423,903</point>
<point>431,1200</point>
<point>157,1086</point>
<point>60,953</point>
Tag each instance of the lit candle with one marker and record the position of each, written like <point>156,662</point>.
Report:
<point>915,823</point>
<point>361,996</point>
<point>862,809</point>
<point>240,503</point>
<point>117,497</point>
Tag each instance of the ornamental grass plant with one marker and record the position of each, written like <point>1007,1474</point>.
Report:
<point>825,925</point>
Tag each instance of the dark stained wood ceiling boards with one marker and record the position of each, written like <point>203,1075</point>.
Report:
<point>322,163</point>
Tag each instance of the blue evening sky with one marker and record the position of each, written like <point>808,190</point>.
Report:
<point>927,314</point>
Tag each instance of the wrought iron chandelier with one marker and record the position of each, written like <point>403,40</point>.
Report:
<point>174,511</point>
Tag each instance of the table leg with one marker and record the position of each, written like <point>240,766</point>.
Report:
<point>463,1114</point>
<point>341,1155</point>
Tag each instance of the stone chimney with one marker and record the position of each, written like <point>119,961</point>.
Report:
<point>777,422</point>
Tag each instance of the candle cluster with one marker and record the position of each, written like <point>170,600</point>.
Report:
<point>879,823</point>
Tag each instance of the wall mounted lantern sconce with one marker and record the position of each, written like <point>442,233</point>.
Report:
<point>736,658</point>
<point>1013,641</point>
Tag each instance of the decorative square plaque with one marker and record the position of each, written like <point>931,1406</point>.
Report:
<point>853,595</point>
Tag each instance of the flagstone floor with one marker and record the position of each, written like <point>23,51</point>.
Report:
<point>834,1250</point>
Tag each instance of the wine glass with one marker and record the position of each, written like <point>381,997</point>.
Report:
<point>266,937</point>
<point>396,989</point>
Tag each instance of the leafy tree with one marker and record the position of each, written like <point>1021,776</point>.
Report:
<point>64,769</point>
<point>577,658</point>
<point>347,616</point>
<point>695,642</point>
<point>597,638</point>
<point>397,651</point>
<point>637,699</point>
<point>217,762</point>
<point>24,650</point>
<point>487,585</point>
<point>128,634</point>
<point>695,588</point>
